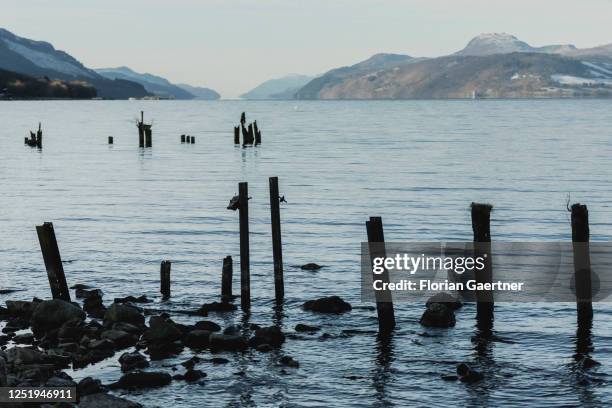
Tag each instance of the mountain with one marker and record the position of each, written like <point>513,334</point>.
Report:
<point>278,88</point>
<point>490,66</point>
<point>14,85</point>
<point>41,59</point>
<point>155,84</point>
<point>200,92</point>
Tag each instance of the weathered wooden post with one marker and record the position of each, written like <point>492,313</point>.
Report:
<point>277,247</point>
<point>110,140</point>
<point>141,133</point>
<point>245,136</point>
<point>582,263</point>
<point>245,274</point>
<point>164,275</point>
<point>236,135</point>
<point>251,137</point>
<point>384,301</point>
<point>481,226</point>
<point>258,137</point>
<point>148,136</point>
<point>39,135</point>
<point>243,118</point>
<point>53,261</point>
<point>192,139</point>
<point>226,279</point>
<point>182,138</point>
<point>188,139</point>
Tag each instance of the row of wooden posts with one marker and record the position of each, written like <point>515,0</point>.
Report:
<point>250,135</point>
<point>35,139</point>
<point>480,214</point>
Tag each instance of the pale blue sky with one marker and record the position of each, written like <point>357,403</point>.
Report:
<point>232,45</point>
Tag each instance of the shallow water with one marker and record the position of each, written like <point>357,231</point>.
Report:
<point>118,211</point>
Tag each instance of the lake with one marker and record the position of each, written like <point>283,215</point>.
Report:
<point>118,211</point>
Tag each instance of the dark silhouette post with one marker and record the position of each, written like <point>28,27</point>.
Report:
<point>165,278</point>
<point>226,279</point>
<point>481,226</point>
<point>39,135</point>
<point>141,132</point>
<point>245,274</point>
<point>53,261</point>
<point>277,247</point>
<point>582,263</point>
<point>110,140</point>
<point>236,135</point>
<point>148,136</point>
<point>384,301</point>
<point>182,138</point>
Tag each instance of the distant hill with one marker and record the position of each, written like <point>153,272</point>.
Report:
<point>278,88</point>
<point>494,65</point>
<point>14,85</point>
<point>41,59</point>
<point>200,92</point>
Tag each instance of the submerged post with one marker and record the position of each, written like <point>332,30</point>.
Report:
<point>53,261</point>
<point>165,278</point>
<point>384,301</point>
<point>481,226</point>
<point>236,135</point>
<point>277,247</point>
<point>582,263</point>
<point>226,279</point>
<point>245,274</point>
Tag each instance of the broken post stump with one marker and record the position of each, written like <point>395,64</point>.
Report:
<point>277,247</point>
<point>251,137</point>
<point>141,133</point>
<point>582,263</point>
<point>192,139</point>
<point>226,278</point>
<point>243,118</point>
<point>481,226</point>
<point>384,301</point>
<point>188,139</point>
<point>110,140</point>
<point>148,136</point>
<point>245,274</point>
<point>258,137</point>
<point>236,135</point>
<point>39,135</point>
<point>165,278</point>
<point>182,138</point>
<point>53,261</point>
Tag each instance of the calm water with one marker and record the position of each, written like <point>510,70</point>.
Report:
<point>118,211</point>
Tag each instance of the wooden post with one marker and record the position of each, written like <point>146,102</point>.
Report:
<point>226,279</point>
<point>251,138</point>
<point>481,226</point>
<point>236,135</point>
<point>245,136</point>
<point>110,140</point>
<point>192,139</point>
<point>53,261</point>
<point>582,263</point>
<point>182,138</point>
<point>39,137</point>
<point>188,139</point>
<point>245,274</point>
<point>164,275</point>
<point>243,118</point>
<point>384,301</point>
<point>148,136</point>
<point>258,137</point>
<point>277,247</point>
<point>141,136</point>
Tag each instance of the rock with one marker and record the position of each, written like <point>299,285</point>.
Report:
<point>189,364</point>
<point>438,315</point>
<point>91,357</point>
<point>446,299</point>
<point>162,331</point>
<point>306,328</point>
<point>22,356</point>
<point>264,348</point>
<point>207,325</point>
<point>101,400</point>
<point>233,329</point>
<point>467,375</point>
<point>132,361</point>
<point>126,313</point>
<point>143,379</point>
<point>197,339</point>
<point>26,338</point>
<point>86,294</point>
<point>289,362</point>
<point>216,307</point>
<point>80,286</point>
<point>332,304</point>
<point>219,360</point>
<point>15,324</point>
<point>101,344</point>
<point>268,335</point>
<point>120,338</point>
<point>311,267</point>
<point>57,381</point>
<point>128,328</point>
<point>89,386</point>
<point>132,299</point>
<point>20,308</point>
<point>3,372</point>
<point>194,375</point>
<point>228,342</point>
<point>51,314</point>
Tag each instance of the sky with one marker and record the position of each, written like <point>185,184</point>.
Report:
<point>233,45</point>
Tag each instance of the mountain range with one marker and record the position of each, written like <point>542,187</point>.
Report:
<point>495,65</point>
<point>34,61</point>
<point>278,88</point>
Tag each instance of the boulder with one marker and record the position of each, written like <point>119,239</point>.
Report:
<point>162,330</point>
<point>198,339</point>
<point>207,325</point>
<point>72,330</point>
<point>268,335</point>
<point>20,308</point>
<point>445,298</point>
<point>132,299</point>
<point>132,361</point>
<point>120,338</point>
<point>332,304</point>
<point>125,313</point>
<point>60,381</point>
<point>219,360</point>
<point>129,328</point>
<point>227,342</point>
<point>22,356</point>
<point>89,385</point>
<point>467,375</point>
<point>216,307</point>
<point>289,362</point>
<point>15,324</point>
<point>93,356</point>
<point>101,400</point>
<point>143,379</point>
<point>194,375</point>
<point>438,315</point>
<point>52,314</point>
<point>86,294</point>
<point>306,328</point>
<point>26,338</point>
<point>3,372</point>
<point>311,267</point>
